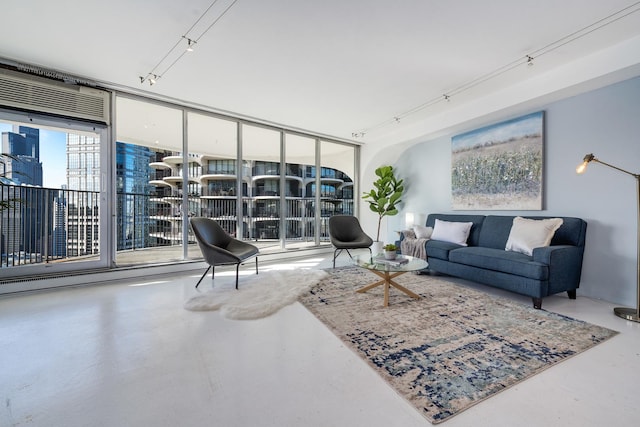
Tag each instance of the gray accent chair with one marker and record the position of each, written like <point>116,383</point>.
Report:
<point>346,233</point>
<point>219,247</point>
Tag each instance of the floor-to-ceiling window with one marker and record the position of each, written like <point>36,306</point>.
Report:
<point>215,180</point>
<point>78,195</point>
<point>300,155</point>
<point>261,166</point>
<point>149,182</point>
<point>337,174</point>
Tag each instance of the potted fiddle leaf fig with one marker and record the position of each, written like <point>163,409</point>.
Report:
<point>384,198</point>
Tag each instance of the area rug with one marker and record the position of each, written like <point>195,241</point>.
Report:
<point>258,295</point>
<point>452,348</point>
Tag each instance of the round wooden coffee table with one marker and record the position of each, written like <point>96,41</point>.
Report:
<point>389,271</point>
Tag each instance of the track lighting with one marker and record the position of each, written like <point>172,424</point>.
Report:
<point>190,43</point>
<point>519,62</point>
<point>175,53</point>
<point>151,78</point>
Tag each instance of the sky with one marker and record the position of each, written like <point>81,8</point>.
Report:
<point>515,128</point>
<point>53,156</point>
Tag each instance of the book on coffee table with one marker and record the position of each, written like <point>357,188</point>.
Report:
<point>399,260</point>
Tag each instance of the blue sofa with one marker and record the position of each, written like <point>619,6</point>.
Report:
<point>550,270</point>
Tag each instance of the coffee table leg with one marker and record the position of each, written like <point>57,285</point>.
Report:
<point>387,281</point>
<point>371,286</point>
<point>403,289</point>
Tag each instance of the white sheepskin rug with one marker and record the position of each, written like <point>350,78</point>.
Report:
<point>258,295</point>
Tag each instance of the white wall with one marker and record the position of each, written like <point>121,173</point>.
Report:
<point>606,122</point>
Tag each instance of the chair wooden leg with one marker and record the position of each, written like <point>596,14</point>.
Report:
<point>202,277</point>
<point>256,265</point>
<point>237,268</point>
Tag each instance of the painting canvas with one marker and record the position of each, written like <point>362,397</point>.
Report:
<point>499,167</point>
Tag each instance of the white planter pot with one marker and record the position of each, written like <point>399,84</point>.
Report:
<point>376,248</point>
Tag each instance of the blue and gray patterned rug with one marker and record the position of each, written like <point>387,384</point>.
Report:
<point>452,348</point>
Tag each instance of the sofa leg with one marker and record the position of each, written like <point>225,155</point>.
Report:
<point>537,303</point>
<point>572,294</point>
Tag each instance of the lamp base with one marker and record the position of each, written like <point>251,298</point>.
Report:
<point>627,313</point>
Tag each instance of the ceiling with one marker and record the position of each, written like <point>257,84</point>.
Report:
<point>359,70</point>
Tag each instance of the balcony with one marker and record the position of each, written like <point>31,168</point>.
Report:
<point>64,225</point>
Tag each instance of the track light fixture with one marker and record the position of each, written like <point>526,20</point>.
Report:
<point>528,60</point>
<point>175,53</point>
<point>190,43</point>
<point>151,78</point>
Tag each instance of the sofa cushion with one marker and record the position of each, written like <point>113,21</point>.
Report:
<point>527,234</point>
<point>495,231</point>
<point>500,260</point>
<point>440,249</point>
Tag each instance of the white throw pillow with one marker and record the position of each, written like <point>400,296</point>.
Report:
<point>527,234</point>
<point>454,232</point>
<point>422,232</point>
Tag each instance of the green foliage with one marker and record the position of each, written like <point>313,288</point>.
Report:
<point>390,247</point>
<point>507,172</point>
<point>385,196</point>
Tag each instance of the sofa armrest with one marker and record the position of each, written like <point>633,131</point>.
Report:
<point>565,266</point>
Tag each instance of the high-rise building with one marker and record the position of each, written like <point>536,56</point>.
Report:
<point>21,156</point>
<point>59,228</point>
<point>22,227</point>
<point>83,175</point>
<point>133,173</point>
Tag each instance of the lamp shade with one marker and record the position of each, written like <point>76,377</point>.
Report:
<point>409,219</point>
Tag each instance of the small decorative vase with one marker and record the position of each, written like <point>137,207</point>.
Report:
<point>390,254</point>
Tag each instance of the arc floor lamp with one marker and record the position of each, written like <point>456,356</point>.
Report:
<point>625,313</point>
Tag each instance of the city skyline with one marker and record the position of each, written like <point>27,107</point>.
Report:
<point>53,152</point>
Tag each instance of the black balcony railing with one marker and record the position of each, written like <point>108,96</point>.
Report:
<point>43,225</point>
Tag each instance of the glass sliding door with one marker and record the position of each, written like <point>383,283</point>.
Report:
<point>149,170</point>
<point>53,210</point>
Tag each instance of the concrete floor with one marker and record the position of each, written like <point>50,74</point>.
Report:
<point>128,354</point>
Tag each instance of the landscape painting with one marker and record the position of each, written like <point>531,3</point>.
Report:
<point>499,167</point>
